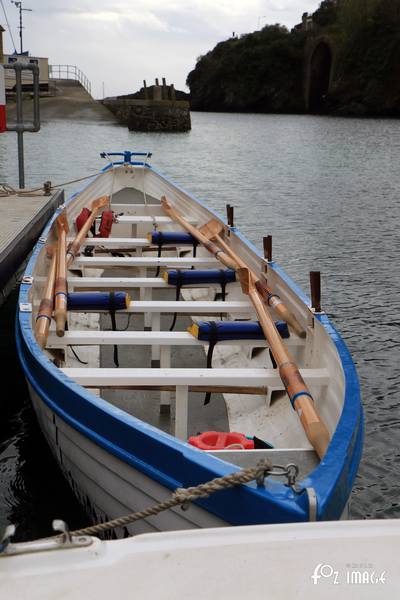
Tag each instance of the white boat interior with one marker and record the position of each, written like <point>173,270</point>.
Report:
<point>162,376</point>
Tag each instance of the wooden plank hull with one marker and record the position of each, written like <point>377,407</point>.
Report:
<point>106,485</point>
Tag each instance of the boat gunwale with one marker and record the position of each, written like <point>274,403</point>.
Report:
<point>332,479</point>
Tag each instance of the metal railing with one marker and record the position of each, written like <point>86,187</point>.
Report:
<point>70,72</point>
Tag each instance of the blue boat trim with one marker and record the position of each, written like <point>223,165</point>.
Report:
<point>182,465</point>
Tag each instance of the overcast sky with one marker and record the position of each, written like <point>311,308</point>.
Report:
<point>123,42</point>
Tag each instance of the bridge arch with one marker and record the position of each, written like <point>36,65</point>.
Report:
<point>320,60</point>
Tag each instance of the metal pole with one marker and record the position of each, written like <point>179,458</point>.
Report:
<point>19,125</point>
<point>20,24</point>
<point>20,134</point>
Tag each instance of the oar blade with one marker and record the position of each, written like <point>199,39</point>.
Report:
<point>245,280</point>
<point>100,202</point>
<point>211,229</point>
<point>62,223</point>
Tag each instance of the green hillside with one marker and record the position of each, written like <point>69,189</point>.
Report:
<point>265,71</point>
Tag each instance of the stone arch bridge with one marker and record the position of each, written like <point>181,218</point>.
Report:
<point>319,62</point>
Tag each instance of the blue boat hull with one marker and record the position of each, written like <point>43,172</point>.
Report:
<point>142,452</point>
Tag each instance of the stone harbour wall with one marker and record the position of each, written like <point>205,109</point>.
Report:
<point>151,115</point>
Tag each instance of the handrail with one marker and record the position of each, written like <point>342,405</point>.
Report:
<point>70,72</point>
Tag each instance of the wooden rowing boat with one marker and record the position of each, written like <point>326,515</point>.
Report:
<point>185,285</point>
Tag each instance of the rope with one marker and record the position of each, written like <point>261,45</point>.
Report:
<point>184,495</point>
<point>7,190</point>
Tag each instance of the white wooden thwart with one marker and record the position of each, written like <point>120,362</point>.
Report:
<point>115,242</point>
<point>148,338</point>
<point>190,307</point>
<point>126,283</point>
<point>144,220</point>
<point>109,377</point>
<point>140,261</point>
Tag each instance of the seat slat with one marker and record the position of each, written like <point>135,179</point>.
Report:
<point>147,338</point>
<point>191,307</point>
<point>126,283</point>
<point>145,219</point>
<point>109,377</point>
<point>114,242</point>
<point>140,261</point>
<point>98,283</point>
<point>138,209</point>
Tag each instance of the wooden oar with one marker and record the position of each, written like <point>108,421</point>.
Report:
<point>210,246</point>
<point>74,247</point>
<point>45,312</point>
<point>60,289</point>
<point>213,230</point>
<point>294,384</point>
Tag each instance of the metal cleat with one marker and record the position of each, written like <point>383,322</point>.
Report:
<point>9,532</point>
<point>62,526</point>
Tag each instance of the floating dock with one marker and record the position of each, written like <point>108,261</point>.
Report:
<point>22,218</point>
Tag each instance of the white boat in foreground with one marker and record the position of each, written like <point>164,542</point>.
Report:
<point>119,424</point>
<point>346,559</point>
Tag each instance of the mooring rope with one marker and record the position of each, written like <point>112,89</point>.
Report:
<point>8,190</point>
<point>182,496</point>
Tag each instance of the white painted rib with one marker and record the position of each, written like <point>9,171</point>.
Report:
<point>94,377</point>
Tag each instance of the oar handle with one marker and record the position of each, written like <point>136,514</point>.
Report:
<point>296,388</point>
<point>43,318</point>
<point>60,288</point>
<point>303,403</point>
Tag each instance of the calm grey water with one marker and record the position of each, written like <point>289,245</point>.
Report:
<point>326,189</point>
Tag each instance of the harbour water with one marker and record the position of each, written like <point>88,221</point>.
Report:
<point>326,189</point>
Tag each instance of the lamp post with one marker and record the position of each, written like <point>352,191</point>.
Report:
<point>20,8</point>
